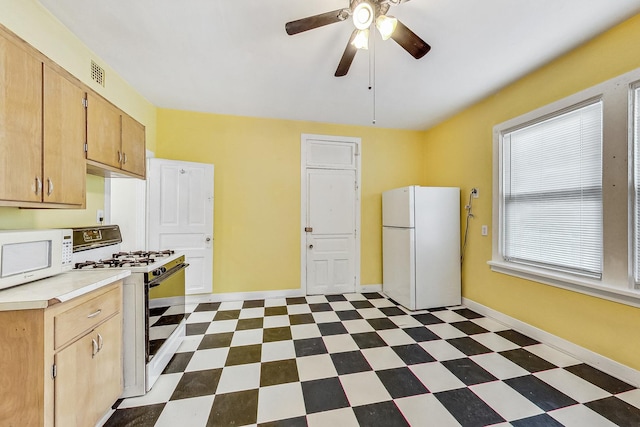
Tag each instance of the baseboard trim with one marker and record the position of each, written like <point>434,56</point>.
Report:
<point>244,296</point>
<point>592,358</point>
<point>368,288</point>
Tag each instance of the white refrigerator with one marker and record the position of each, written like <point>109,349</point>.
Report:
<point>421,246</point>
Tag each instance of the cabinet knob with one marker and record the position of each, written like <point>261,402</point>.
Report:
<point>310,246</point>
<point>49,186</point>
<point>119,157</point>
<point>124,158</point>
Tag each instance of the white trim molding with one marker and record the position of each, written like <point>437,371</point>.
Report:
<point>368,288</point>
<point>592,358</point>
<point>571,283</point>
<point>244,296</point>
<point>357,166</point>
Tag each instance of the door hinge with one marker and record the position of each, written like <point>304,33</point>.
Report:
<point>86,147</point>
<point>54,371</point>
<point>85,102</point>
<point>308,229</point>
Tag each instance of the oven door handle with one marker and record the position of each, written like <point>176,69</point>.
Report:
<point>156,282</point>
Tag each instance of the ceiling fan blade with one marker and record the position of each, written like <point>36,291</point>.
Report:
<point>315,21</point>
<point>347,57</point>
<point>410,41</point>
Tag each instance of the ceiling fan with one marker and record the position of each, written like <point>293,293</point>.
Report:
<point>364,13</point>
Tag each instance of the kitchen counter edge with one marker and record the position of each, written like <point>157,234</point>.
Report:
<point>60,288</point>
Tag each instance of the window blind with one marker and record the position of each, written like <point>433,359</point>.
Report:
<point>552,192</point>
<point>636,182</point>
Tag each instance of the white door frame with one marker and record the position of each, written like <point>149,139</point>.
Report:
<point>303,201</point>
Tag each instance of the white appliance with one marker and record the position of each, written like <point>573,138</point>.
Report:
<point>28,255</point>
<point>153,301</point>
<point>421,246</point>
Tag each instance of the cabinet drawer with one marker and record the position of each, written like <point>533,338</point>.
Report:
<point>79,319</point>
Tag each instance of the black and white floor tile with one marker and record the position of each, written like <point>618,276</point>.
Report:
<point>361,360</point>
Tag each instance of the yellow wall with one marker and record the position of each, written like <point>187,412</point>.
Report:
<point>30,21</point>
<point>257,190</point>
<point>459,153</point>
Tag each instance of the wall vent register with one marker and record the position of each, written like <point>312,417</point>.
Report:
<point>97,73</point>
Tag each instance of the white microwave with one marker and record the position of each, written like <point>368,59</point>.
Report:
<point>28,255</point>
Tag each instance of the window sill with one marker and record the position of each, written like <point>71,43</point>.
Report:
<point>565,281</point>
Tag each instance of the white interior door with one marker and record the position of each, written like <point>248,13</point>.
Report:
<point>331,212</point>
<point>181,216</point>
<point>331,241</point>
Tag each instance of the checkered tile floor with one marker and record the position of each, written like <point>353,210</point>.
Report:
<point>359,359</point>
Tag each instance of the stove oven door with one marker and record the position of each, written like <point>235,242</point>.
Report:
<point>165,308</point>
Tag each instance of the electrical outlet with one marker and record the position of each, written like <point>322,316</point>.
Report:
<point>100,216</point>
<point>485,230</point>
<point>476,192</point>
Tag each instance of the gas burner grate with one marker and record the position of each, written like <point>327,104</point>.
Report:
<point>143,254</point>
<point>80,265</point>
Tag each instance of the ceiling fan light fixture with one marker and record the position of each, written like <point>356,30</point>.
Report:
<point>361,40</point>
<point>363,15</point>
<point>386,26</point>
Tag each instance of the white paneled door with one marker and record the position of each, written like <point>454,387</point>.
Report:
<point>181,216</point>
<point>331,212</point>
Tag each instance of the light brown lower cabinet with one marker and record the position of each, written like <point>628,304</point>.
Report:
<point>62,366</point>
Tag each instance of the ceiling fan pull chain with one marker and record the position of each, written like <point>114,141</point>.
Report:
<point>372,74</point>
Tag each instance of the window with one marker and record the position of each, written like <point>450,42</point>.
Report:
<point>566,192</point>
<point>552,192</point>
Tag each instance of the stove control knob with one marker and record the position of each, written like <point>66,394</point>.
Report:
<point>157,272</point>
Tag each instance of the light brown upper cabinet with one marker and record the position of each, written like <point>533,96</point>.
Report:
<point>115,142</point>
<point>133,146</point>
<point>64,167</point>
<point>21,124</point>
<point>41,131</point>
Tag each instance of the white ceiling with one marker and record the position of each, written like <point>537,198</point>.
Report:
<point>234,57</point>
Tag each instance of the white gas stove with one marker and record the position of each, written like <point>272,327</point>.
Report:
<point>153,301</point>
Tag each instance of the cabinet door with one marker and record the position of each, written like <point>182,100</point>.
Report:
<point>103,132</point>
<point>133,146</point>
<point>64,128</point>
<point>20,124</point>
<point>107,379</point>
<point>89,375</point>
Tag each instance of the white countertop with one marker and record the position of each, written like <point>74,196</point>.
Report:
<point>60,288</point>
